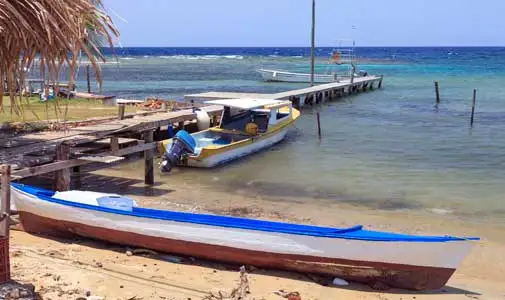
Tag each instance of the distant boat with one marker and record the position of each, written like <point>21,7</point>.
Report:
<point>283,76</point>
<point>355,254</point>
<point>340,56</point>
<point>247,126</point>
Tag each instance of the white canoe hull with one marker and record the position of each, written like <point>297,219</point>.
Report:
<point>281,76</point>
<point>412,265</point>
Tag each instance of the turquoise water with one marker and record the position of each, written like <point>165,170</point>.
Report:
<point>387,149</point>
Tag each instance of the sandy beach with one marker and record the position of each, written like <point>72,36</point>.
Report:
<point>67,269</point>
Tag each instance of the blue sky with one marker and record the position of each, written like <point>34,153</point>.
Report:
<point>242,23</point>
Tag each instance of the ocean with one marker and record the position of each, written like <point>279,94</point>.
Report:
<point>391,149</point>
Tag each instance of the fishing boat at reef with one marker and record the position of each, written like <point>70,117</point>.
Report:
<point>397,260</point>
<point>246,126</point>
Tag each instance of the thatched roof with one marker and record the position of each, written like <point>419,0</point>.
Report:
<point>54,32</point>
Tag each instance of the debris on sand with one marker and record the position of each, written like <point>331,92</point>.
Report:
<point>239,293</point>
<point>15,290</point>
<point>289,295</point>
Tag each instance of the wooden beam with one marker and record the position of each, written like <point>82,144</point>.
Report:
<point>55,166</point>
<point>114,144</point>
<point>62,176</point>
<point>121,110</point>
<point>149,159</point>
<point>5,204</point>
<point>106,159</point>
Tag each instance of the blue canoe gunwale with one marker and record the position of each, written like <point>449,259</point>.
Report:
<point>351,233</point>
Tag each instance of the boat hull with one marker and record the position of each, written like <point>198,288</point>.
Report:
<point>409,265</point>
<point>393,275</point>
<point>281,76</point>
<point>251,146</point>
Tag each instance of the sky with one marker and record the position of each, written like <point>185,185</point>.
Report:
<point>278,23</point>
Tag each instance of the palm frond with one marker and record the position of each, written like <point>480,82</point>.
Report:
<point>53,32</point>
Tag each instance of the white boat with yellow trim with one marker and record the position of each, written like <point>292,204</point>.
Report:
<point>246,126</point>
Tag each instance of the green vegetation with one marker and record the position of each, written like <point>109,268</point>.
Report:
<point>78,109</point>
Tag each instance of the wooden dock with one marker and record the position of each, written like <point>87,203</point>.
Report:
<point>300,97</point>
<point>106,141</point>
<point>109,141</point>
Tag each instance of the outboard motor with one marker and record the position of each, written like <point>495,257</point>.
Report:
<point>182,143</point>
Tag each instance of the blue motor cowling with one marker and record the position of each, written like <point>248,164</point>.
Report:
<point>182,143</point>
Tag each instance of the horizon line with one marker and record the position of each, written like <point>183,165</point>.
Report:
<point>329,46</point>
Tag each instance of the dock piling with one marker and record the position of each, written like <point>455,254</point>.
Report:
<point>437,92</point>
<point>148,159</point>
<point>380,82</point>
<point>114,144</point>
<point>318,125</point>
<point>473,106</point>
<point>5,177</point>
<point>62,177</point>
<point>120,112</point>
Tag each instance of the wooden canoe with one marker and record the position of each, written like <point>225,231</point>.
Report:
<point>397,260</point>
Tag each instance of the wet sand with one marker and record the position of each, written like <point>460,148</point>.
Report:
<point>80,265</point>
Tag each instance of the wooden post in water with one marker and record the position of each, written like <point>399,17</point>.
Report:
<point>318,125</point>
<point>120,111</point>
<point>87,79</point>
<point>353,70</point>
<point>313,43</point>
<point>437,93</point>
<point>62,177</point>
<point>149,159</point>
<point>473,106</point>
<point>380,82</point>
<point>5,205</point>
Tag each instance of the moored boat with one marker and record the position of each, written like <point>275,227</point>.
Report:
<point>398,260</point>
<point>246,126</point>
<point>283,76</point>
<point>342,65</point>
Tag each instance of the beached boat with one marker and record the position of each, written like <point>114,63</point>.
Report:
<point>397,260</point>
<point>246,126</point>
